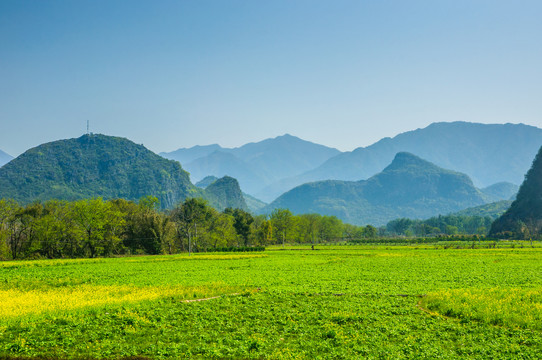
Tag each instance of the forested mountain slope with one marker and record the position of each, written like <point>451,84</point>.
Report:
<point>409,187</point>
<point>102,166</point>
<point>524,217</point>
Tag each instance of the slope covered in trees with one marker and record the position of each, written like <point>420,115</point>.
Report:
<point>524,217</point>
<point>488,153</point>
<point>408,187</point>
<point>253,204</point>
<point>108,167</point>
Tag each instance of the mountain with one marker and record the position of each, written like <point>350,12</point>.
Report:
<point>501,191</point>
<point>524,217</point>
<point>254,165</point>
<point>4,158</point>
<point>488,153</point>
<point>253,204</point>
<point>225,193</point>
<point>409,187</point>
<point>221,164</point>
<point>102,166</point>
<point>186,155</point>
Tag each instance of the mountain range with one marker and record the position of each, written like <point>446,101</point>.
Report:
<point>254,165</point>
<point>108,167</point>
<point>408,187</point>
<point>488,153</point>
<point>4,158</point>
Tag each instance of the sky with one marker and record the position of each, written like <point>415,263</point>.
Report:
<point>172,74</point>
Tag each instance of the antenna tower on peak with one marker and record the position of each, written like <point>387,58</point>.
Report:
<point>88,127</point>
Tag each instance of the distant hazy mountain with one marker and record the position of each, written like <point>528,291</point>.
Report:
<point>493,210</point>
<point>524,217</point>
<point>409,187</point>
<point>501,191</point>
<point>186,155</point>
<point>104,166</point>
<point>488,153</point>
<point>254,165</point>
<point>221,163</point>
<point>4,158</point>
<point>206,181</point>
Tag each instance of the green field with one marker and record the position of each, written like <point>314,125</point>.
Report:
<point>334,302</point>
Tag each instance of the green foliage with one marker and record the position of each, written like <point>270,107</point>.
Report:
<point>241,222</point>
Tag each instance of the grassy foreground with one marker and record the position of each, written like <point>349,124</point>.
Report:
<point>343,302</point>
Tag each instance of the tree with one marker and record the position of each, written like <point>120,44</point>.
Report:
<point>282,221</point>
<point>370,232</point>
<point>242,222</point>
<point>310,227</point>
<point>188,216</point>
<point>100,223</point>
<point>330,228</point>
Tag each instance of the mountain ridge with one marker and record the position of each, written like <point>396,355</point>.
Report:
<point>408,187</point>
<point>488,153</point>
<point>255,164</point>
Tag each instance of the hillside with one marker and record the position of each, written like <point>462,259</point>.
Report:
<point>4,158</point>
<point>524,217</point>
<point>225,193</point>
<point>253,204</point>
<point>101,166</point>
<point>409,187</point>
<point>488,153</point>
<point>254,165</point>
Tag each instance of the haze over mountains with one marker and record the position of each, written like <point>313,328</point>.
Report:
<point>488,153</point>
<point>254,165</point>
<point>108,167</point>
<point>409,187</point>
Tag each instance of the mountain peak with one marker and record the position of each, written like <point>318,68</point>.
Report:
<point>403,160</point>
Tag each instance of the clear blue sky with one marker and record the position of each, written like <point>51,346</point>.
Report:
<point>172,74</point>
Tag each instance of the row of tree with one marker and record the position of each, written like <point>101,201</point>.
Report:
<point>94,227</point>
<point>440,225</point>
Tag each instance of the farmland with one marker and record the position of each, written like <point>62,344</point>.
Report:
<point>332,302</point>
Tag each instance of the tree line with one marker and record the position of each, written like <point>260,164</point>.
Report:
<point>95,227</point>
<point>440,225</point>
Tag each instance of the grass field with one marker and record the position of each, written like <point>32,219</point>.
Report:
<point>334,302</point>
